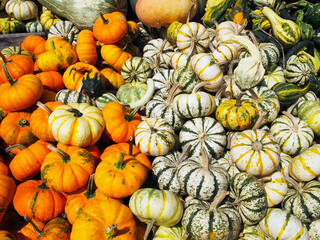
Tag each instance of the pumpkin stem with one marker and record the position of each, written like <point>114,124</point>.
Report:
<point>3,57</point>
<point>65,157</point>
<point>205,157</point>
<point>130,145</point>
<point>105,21</point>
<point>290,109</point>
<point>42,186</point>
<point>238,100</point>
<point>120,164</point>
<point>295,121</point>
<point>254,95</point>
<point>200,85</point>
<point>265,179</point>
<point>44,107</point>
<point>184,154</point>
<point>174,90</point>
<point>111,231</point>
<point>148,228</point>
<point>71,37</point>
<point>259,121</point>
<point>294,183</point>
<point>23,123</point>
<point>220,91</point>
<point>217,200</point>
<point>189,12</point>
<point>7,74</point>
<point>129,116</point>
<point>232,64</point>
<point>159,54</point>
<point>257,146</point>
<point>53,47</point>
<point>90,193</point>
<point>21,146</point>
<point>36,229</point>
<point>242,27</point>
<point>254,39</point>
<point>75,112</point>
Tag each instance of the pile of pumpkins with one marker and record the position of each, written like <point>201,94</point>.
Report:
<point>163,128</point>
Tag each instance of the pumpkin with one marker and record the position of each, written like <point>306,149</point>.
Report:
<point>228,164</point>
<point>81,14</point>
<point>110,27</point>
<point>77,124</point>
<point>6,235</point>
<point>76,161</point>
<point>105,219</point>
<point>313,229</point>
<point>211,220</point>
<point>309,112</point>
<point>165,13</point>
<point>113,77</point>
<point>34,26</point>
<point>185,78</point>
<point>250,197</point>
<point>204,131</point>
<point>224,53</point>
<point>154,137</point>
<point>167,208</point>
<point>67,96</point>
<point>27,231</point>
<point>47,19</point>
<point>105,98</point>
<point>121,121</point>
<point>22,9</point>
<point>15,50</point>
<point>281,224</point>
<point>8,188</point>
<point>34,44</point>
<point>136,69</point>
<point>3,167</point>
<point>59,42</point>
<point>86,47</point>
<point>310,95</point>
<point>119,175</point>
<point>34,199</point>
<point>94,84</point>
<point>202,177</point>
<point>172,233</point>
<point>162,81</point>
<point>114,56</point>
<point>51,80</point>
<point>27,163</point>
<point>180,60</point>
<point>15,128</point>
<point>11,25</point>
<point>64,29</point>
<point>16,65</point>
<point>158,51</point>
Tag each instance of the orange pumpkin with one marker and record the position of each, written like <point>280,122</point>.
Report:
<point>27,232</point>
<point>106,219</point>
<point>130,149</point>
<point>121,121</point>
<point>16,66</point>
<point>51,80</point>
<point>6,235</point>
<point>27,163</point>
<point>113,77</point>
<point>47,96</point>
<point>110,27</point>
<point>119,175</point>
<point>7,190</point>
<point>58,43</point>
<point>3,167</point>
<point>39,121</point>
<point>3,113</point>
<point>86,47</point>
<point>34,199</point>
<point>114,56</point>
<point>67,168</point>
<point>34,44</point>
<point>15,128</point>
<point>95,152</point>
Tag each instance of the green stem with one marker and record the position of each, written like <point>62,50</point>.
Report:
<point>21,146</point>
<point>36,229</point>
<point>75,112</point>
<point>120,164</point>
<point>7,74</point>
<point>105,21</point>
<point>53,47</point>
<point>65,157</point>
<point>148,228</point>
<point>90,193</point>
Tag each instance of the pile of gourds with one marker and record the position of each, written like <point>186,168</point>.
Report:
<point>202,128</point>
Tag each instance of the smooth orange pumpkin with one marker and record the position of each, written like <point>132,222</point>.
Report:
<point>27,232</point>
<point>3,167</point>
<point>6,235</point>
<point>51,80</point>
<point>34,44</point>
<point>86,47</point>
<point>114,56</point>
<point>113,77</point>
<point>7,190</point>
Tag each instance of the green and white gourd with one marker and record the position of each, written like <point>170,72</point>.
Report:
<point>170,233</point>
<point>266,101</point>
<point>136,69</point>
<point>293,134</point>
<point>64,29</point>
<point>14,50</point>
<point>162,81</point>
<point>33,27</point>
<point>155,137</point>
<point>156,66</point>
<point>283,225</point>
<point>297,72</point>
<point>202,177</point>
<point>228,164</point>
<point>158,50</point>
<point>310,95</point>
<point>250,198</point>
<point>232,90</point>
<point>273,76</point>
<point>303,200</point>
<point>314,230</point>
<point>186,79</point>
<point>195,104</point>
<point>180,60</point>
<point>229,27</point>
<point>285,160</point>
<point>204,220</point>
<point>21,10</point>
<point>70,96</point>
<point>309,111</point>
<point>207,71</point>
<point>224,53</point>
<point>253,232</point>
<point>204,131</point>
<point>105,98</point>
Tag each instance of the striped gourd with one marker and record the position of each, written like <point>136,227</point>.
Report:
<point>288,93</point>
<point>47,19</point>
<point>205,131</point>
<point>273,77</point>
<point>305,166</point>
<point>180,60</point>
<point>285,160</point>
<point>165,169</point>
<point>158,207</point>
<point>155,137</point>
<point>297,72</point>
<point>159,107</point>
<point>207,71</point>
<point>228,27</point>
<point>186,79</point>
<point>283,225</point>
<point>231,90</point>
<point>266,100</point>
<point>269,53</point>
<point>192,38</point>
<point>293,134</point>
<point>202,177</point>
<point>250,196</point>
<point>303,200</point>
<point>227,162</point>
<point>195,104</point>
<point>158,50</point>
<point>136,69</point>
<point>32,27</point>
<point>169,233</point>
<point>156,65</point>
<point>310,95</point>
<point>162,81</point>
<point>276,188</point>
<point>255,152</point>
<point>252,233</point>
<point>314,230</point>
<point>70,96</point>
<point>224,53</point>
<point>309,111</point>
<point>14,50</point>
<point>65,29</point>
<point>104,99</point>
<point>237,114</point>
<point>21,10</point>
<point>204,220</point>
